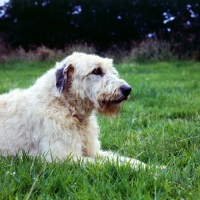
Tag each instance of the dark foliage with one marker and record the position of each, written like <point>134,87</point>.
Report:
<point>55,23</point>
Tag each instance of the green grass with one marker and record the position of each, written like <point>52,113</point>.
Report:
<point>159,125</point>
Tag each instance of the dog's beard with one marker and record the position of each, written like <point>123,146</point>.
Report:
<point>110,111</point>
<point>110,108</point>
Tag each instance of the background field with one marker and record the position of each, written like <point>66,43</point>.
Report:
<point>158,125</point>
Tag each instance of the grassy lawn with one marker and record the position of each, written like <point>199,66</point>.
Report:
<point>159,125</point>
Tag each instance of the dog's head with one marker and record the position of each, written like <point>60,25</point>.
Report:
<point>93,79</point>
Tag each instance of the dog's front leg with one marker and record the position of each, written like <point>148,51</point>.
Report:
<point>59,150</point>
<point>121,160</point>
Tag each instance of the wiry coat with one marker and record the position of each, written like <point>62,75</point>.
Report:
<point>55,117</point>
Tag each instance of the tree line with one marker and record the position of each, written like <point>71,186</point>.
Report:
<point>103,23</point>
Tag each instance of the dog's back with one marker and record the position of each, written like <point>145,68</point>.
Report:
<point>12,118</point>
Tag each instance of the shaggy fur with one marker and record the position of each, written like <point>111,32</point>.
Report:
<point>55,117</point>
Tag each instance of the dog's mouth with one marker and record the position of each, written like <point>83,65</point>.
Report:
<point>114,101</point>
<point>111,106</point>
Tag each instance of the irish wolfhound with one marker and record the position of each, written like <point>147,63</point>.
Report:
<point>56,116</point>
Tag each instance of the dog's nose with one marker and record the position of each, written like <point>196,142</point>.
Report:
<point>125,90</point>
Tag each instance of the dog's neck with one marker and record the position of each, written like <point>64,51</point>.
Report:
<point>81,109</point>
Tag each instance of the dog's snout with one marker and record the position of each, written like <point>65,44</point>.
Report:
<point>125,90</point>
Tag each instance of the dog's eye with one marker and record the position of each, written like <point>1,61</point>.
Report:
<point>97,71</point>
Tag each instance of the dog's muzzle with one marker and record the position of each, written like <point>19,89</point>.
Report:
<point>124,94</point>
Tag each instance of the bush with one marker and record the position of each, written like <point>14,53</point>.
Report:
<point>146,51</point>
<point>42,53</point>
<point>151,51</point>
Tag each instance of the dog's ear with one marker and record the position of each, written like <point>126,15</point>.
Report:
<point>63,76</point>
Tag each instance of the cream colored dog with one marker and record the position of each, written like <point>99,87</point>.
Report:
<point>56,116</point>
